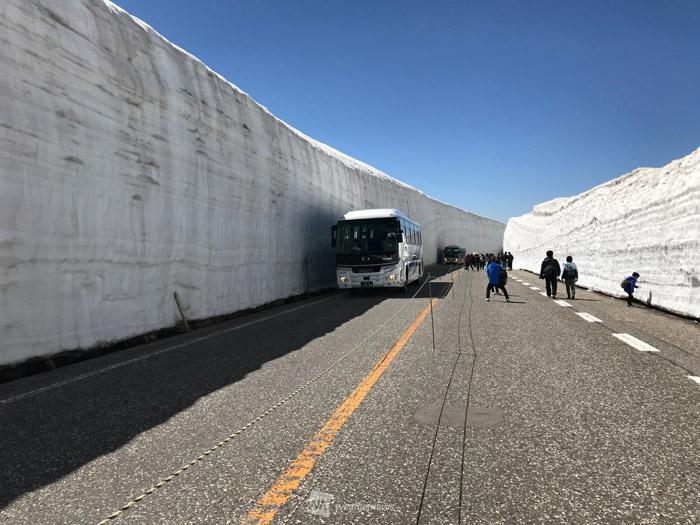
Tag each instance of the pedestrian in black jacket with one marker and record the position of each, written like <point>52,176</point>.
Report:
<point>550,271</point>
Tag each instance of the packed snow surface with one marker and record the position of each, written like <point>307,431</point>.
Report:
<point>130,170</point>
<point>646,221</point>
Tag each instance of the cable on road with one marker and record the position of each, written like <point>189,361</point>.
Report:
<point>444,401</point>
<point>303,496</point>
<point>469,393</point>
<point>161,483</point>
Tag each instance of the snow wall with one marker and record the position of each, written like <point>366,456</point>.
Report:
<point>130,170</point>
<point>646,221</point>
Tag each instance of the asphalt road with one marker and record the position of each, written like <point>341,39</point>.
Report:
<point>337,409</point>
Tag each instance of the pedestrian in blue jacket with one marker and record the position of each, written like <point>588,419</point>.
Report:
<point>493,270</point>
<point>629,284</point>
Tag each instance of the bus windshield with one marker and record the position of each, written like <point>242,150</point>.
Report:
<point>452,251</point>
<point>368,236</point>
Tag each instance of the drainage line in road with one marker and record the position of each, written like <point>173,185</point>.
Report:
<point>274,407</point>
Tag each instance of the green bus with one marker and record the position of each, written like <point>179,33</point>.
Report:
<point>453,255</point>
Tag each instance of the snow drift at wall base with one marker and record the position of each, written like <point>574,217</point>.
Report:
<point>646,221</point>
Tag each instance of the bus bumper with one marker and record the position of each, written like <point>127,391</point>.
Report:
<point>388,277</point>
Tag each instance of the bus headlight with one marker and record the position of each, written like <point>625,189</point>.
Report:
<point>392,277</point>
<point>343,279</point>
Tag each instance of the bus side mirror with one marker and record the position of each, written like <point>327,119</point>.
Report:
<point>399,237</point>
<point>334,236</point>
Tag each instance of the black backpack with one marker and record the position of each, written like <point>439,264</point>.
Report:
<point>504,277</point>
<point>549,270</point>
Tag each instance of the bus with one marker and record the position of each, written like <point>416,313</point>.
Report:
<point>453,255</point>
<point>377,248</point>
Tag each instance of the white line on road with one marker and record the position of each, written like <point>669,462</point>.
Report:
<point>526,284</point>
<point>543,294</point>
<point>695,378</point>
<point>561,302</point>
<point>159,352</point>
<point>534,288</point>
<point>588,317</point>
<point>636,343</point>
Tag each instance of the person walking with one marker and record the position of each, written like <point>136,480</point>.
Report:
<point>549,271</point>
<point>510,260</point>
<point>570,276</point>
<point>628,285</point>
<point>467,261</point>
<point>494,270</point>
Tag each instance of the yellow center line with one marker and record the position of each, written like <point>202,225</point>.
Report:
<point>269,505</point>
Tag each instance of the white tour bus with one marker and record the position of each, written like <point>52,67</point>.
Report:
<point>376,248</point>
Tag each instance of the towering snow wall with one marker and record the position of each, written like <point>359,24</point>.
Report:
<point>646,221</point>
<point>129,170</point>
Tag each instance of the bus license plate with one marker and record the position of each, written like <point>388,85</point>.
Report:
<point>366,284</point>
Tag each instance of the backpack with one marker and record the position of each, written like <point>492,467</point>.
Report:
<point>549,270</point>
<point>504,277</point>
<point>624,284</point>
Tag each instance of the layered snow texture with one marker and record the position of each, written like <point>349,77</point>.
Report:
<point>646,221</point>
<point>130,170</point>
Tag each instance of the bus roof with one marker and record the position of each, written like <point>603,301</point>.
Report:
<point>378,213</point>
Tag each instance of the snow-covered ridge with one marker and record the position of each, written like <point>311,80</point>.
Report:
<point>647,221</point>
<point>130,170</point>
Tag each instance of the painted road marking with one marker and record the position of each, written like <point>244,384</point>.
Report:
<point>534,288</point>
<point>159,352</point>
<point>695,378</point>
<point>269,505</point>
<point>588,317</point>
<point>636,343</point>
<point>543,294</point>
<point>526,284</point>
<point>561,302</point>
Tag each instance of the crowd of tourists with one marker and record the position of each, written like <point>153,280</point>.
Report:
<point>551,272</point>
<point>478,261</point>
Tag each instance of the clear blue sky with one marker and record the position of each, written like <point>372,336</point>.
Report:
<point>492,106</point>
